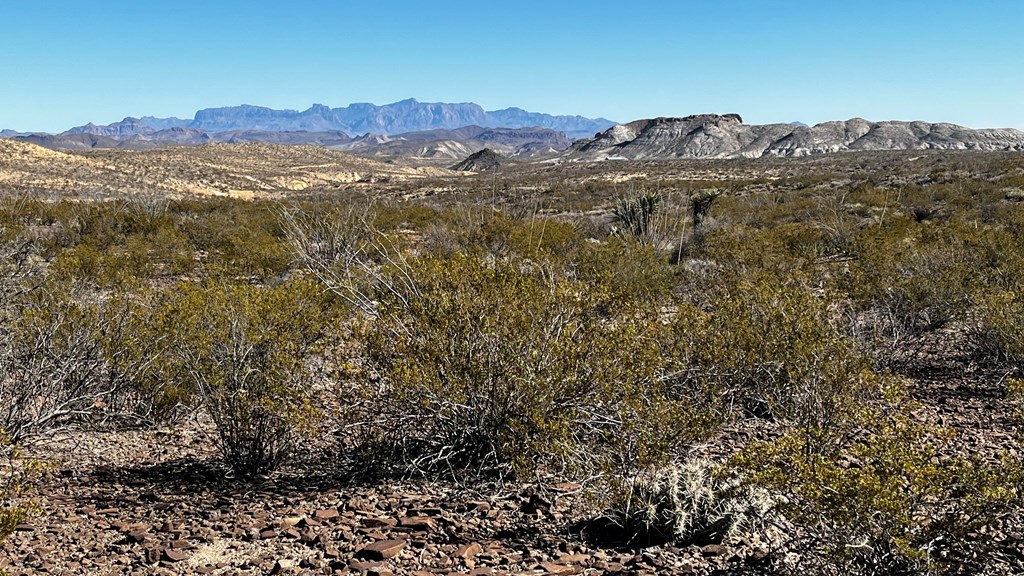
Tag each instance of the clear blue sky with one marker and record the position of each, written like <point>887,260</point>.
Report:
<point>67,62</point>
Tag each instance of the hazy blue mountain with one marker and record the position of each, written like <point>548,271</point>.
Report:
<point>401,117</point>
<point>397,118</point>
<point>573,126</point>
<point>165,123</point>
<point>124,129</point>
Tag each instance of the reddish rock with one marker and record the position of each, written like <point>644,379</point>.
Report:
<point>558,569</point>
<point>180,544</point>
<point>173,555</point>
<point>467,551</point>
<point>326,514</point>
<point>374,522</point>
<point>381,550</point>
<point>421,523</point>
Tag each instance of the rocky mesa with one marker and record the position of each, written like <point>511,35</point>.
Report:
<point>726,136</point>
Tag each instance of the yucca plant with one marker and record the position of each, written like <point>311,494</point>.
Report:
<point>636,213</point>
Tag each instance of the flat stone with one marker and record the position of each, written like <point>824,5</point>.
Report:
<point>712,550</point>
<point>422,523</point>
<point>467,551</point>
<point>379,522</point>
<point>173,555</point>
<point>283,566</point>
<point>181,544</point>
<point>558,569</point>
<point>326,514</point>
<point>381,550</point>
<point>290,521</point>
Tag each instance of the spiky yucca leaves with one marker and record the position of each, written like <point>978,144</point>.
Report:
<point>636,213</point>
<point>700,206</point>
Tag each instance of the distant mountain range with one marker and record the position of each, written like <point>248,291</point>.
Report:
<point>406,128</point>
<point>390,119</point>
<point>726,136</point>
<point>412,129</point>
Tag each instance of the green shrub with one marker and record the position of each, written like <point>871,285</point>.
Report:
<point>492,367</point>
<point>757,345</point>
<point>886,500</point>
<point>244,350</point>
<point>52,365</point>
<point>909,282</point>
<point>12,476</point>
<point>500,366</point>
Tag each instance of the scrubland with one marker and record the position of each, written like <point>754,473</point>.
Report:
<point>793,366</point>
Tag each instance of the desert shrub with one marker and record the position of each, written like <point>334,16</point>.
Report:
<point>253,253</point>
<point>761,346</point>
<point>12,478</point>
<point>687,502</point>
<point>502,233</point>
<point>906,283</point>
<point>488,366</point>
<point>244,349</point>
<point>886,500</point>
<point>346,253</point>
<point>624,275</point>
<point>782,250</point>
<point>52,367</point>
<point>135,349</point>
<point>500,366</point>
<point>52,364</point>
<point>1000,330</point>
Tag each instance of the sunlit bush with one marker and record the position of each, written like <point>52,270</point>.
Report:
<point>887,500</point>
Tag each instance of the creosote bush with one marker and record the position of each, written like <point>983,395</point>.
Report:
<point>495,367</point>
<point>759,346</point>
<point>885,499</point>
<point>12,477</point>
<point>243,350</point>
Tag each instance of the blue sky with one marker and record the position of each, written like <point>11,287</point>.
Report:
<point>67,62</point>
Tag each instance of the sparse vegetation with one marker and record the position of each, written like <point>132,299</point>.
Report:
<point>770,374</point>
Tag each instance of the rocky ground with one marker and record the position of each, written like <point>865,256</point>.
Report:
<point>157,502</point>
